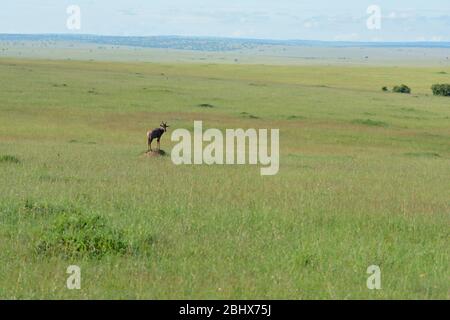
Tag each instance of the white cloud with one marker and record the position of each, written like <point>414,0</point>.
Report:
<point>347,37</point>
<point>437,38</point>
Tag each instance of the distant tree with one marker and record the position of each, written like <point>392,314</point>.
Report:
<point>441,90</point>
<point>402,89</point>
<point>385,89</point>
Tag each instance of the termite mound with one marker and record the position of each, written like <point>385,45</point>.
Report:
<point>155,153</point>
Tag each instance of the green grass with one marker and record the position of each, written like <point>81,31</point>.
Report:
<point>9,158</point>
<point>349,193</point>
<point>370,122</point>
<point>78,235</point>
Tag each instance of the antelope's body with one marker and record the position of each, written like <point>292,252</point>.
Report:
<point>156,134</point>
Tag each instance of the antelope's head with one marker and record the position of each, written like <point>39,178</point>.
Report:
<point>164,126</point>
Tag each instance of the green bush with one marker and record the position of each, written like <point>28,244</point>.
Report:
<point>75,234</point>
<point>34,208</point>
<point>441,90</point>
<point>9,158</point>
<point>385,89</point>
<point>402,89</point>
<point>370,122</point>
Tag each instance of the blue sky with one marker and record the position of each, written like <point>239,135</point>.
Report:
<point>402,20</point>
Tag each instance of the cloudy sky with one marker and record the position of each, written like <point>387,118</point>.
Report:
<point>401,20</point>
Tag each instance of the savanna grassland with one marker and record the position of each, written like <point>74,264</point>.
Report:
<point>364,180</point>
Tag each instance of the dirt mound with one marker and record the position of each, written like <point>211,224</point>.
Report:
<point>155,153</point>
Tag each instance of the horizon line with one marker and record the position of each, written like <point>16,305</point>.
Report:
<point>229,38</point>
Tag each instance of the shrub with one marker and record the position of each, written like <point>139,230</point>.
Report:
<point>206,105</point>
<point>10,159</point>
<point>423,154</point>
<point>294,117</point>
<point>385,89</point>
<point>402,89</point>
<point>370,122</point>
<point>34,208</point>
<point>248,115</point>
<point>75,234</point>
<point>441,90</point>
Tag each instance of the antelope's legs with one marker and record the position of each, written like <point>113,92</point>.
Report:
<point>149,143</point>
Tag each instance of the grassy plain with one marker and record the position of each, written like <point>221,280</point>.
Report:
<point>261,54</point>
<point>364,180</point>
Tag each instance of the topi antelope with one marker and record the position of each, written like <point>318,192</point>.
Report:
<point>156,134</point>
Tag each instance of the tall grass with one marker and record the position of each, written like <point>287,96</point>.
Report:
<point>349,194</point>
